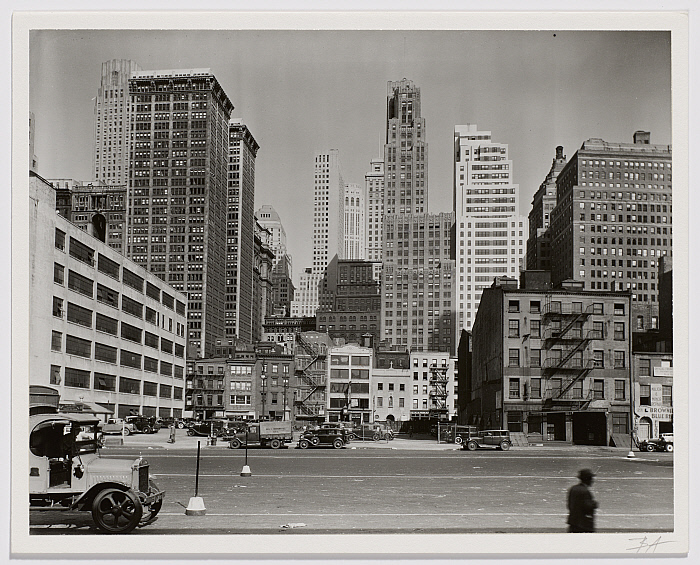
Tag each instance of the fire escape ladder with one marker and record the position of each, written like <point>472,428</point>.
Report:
<point>305,373</point>
<point>438,393</point>
<point>580,345</point>
<point>587,368</point>
<point>580,316</point>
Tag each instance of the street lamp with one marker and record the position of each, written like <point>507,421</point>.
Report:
<point>263,393</point>
<point>285,383</point>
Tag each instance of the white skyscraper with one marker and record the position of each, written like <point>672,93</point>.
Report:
<point>112,122</point>
<point>491,235</point>
<point>374,212</point>
<point>328,226</point>
<point>355,222</point>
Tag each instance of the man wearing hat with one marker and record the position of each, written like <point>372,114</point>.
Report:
<point>581,504</point>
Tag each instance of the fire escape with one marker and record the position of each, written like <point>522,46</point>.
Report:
<point>438,391</point>
<point>312,378</point>
<point>565,367</point>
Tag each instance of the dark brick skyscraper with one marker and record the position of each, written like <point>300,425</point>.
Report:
<point>176,220</point>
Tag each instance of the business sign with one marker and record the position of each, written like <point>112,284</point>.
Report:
<point>663,371</point>
<point>664,413</point>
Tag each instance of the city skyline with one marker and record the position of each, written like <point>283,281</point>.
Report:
<point>550,87</point>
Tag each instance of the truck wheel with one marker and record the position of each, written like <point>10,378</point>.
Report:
<point>504,445</point>
<point>116,511</point>
<point>650,447</point>
<point>235,443</point>
<point>471,445</point>
<point>190,432</point>
<point>304,443</point>
<point>459,439</point>
<point>150,512</point>
<point>338,443</point>
<point>275,444</point>
<point>669,447</point>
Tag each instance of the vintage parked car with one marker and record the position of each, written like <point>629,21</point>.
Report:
<point>498,439</point>
<point>663,443</point>
<point>456,434</point>
<point>143,424</point>
<point>67,473</point>
<point>206,427</point>
<point>337,436</point>
<point>115,425</point>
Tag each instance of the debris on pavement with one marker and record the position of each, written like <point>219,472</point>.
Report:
<point>293,525</point>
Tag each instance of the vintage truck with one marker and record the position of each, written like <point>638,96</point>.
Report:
<point>274,434</point>
<point>66,473</point>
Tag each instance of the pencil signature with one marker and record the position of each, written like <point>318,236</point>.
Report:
<point>646,545</point>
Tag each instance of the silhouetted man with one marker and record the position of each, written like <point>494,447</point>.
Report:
<point>581,504</point>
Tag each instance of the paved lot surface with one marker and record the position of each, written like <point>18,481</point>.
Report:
<point>401,486</point>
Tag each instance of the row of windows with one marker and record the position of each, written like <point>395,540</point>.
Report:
<point>557,358</point>
<point>86,254</point>
<point>80,378</point>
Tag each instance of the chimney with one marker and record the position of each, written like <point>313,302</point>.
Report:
<point>642,137</point>
<point>560,152</point>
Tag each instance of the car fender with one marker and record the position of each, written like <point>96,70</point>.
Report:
<point>84,502</point>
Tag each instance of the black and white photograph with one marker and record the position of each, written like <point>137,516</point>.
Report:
<point>349,283</point>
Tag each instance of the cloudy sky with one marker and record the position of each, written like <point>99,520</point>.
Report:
<point>305,92</point>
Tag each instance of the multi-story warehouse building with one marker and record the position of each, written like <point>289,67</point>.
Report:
<point>434,379</point>
<point>177,206</point>
<point>109,332</point>
<point>206,388</point>
<point>354,222</point>
<point>113,110</point>
<point>653,393</point>
<point>405,151</point>
<point>348,384</point>
<point>554,364</point>
<point>243,376</point>
<point>276,384</point>
<point>374,189</point>
<point>539,253</point>
<point>311,372</point>
<point>83,203</point>
<point>391,395</point>
<point>490,236</point>
<point>613,220</point>
<point>418,282</point>
<point>240,236</point>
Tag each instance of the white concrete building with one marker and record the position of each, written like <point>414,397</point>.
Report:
<point>102,329</point>
<point>348,385</point>
<point>374,212</point>
<point>354,222</point>
<point>433,385</point>
<point>112,122</point>
<point>491,236</point>
<point>391,394</point>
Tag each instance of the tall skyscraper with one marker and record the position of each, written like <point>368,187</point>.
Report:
<point>490,235</point>
<point>176,219</point>
<point>613,221</point>
<point>112,122</point>
<point>354,222</point>
<point>374,189</point>
<point>240,226</point>
<point>539,240</point>
<point>405,151</point>
<point>328,225</point>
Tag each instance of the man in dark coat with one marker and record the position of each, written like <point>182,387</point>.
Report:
<point>581,504</point>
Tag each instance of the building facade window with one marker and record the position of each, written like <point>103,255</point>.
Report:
<point>535,388</point>
<point>598,389</point>
<point>667,395</point>
<point>514,358</point>
<point>513,328</point>
<point>645,395</point>
<point>619,424</point>
<point>620,389</point>
<point>514,388</point>
<point>619,359</point>
<point>645,367</point>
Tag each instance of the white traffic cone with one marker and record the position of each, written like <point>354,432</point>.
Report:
<point>196,507</point>
<point>246,471</point>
